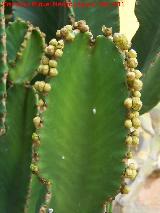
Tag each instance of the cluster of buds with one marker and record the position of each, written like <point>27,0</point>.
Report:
<point>66,33</point>
<point>121,41</point>
<point>133,103</point>
<point>55,48</point>
<point>41,86</point>
<point>81,26</point>
<point>107,31</point>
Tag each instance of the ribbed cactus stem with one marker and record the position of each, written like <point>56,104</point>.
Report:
<point>3,70</point>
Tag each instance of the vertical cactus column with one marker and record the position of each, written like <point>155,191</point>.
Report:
<point>3,70</point>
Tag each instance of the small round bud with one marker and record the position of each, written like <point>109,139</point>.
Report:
<point>128,140</point>
<point>53,63</point>
<point>37,122</point>
<point>53,42</point>
<point>132,62</point>
<point>129,155</point>
<point>58,33</point>
<point>107,31</point>
<point>60,44</point>
<point>125,190</point>
<point>135,133</point>
<point>132,115</point>
<point>128,103</point>
<point>45,60</point>
<point>132,54</point>
<point>35,137</point>
<point>41,103</point>
<point>50,50</point>
<point>131,76</point>
<point>47,87</point>
<point>44,69</point>
<point>64,32</point>
<point>70,37</point>
<point>128,124</point>
<point>53,72</point>
<point>136,122</point>
<point>137,103</point>
<point>69,28</point>
<point>137,84</point>
<point>136,94</point>
<point>138,74</point>
<point>58,53</point>
<point>34,168</point>
<point>135,140</point>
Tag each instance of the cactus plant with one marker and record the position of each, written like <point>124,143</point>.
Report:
<point>72,114</point>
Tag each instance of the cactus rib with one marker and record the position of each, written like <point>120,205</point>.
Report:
<point>3,70</point>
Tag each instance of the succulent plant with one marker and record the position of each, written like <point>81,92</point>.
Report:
<point>72,122</point>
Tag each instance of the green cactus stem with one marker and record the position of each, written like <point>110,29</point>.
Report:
<point>3,71</point>
<point>82,134</point>
<point>16,150</point>
<point>25,50</point>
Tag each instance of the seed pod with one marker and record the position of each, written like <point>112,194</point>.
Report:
<point>128,124</point>
<point>58,53</point>
<point>128,103</point>
<point>136,94</point>
<point>137,84</point>
<point>70,37</point>
<point>128,140</point>
<point>132,62</point>
<point>53,63</point>
<point>53,42</point>
<point>47,87</point>
<point>132,54</point>
<point>135,140</point>
<point>136,123</point>
<point>60,44</point>
<point>45,60</point>
<point>50,50</point>
<point>138,74</point>
<point>53,72</point>
<point>131,76</point>
<point>137,103</point>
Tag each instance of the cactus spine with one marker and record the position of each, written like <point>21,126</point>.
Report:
<point>3,70</point>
